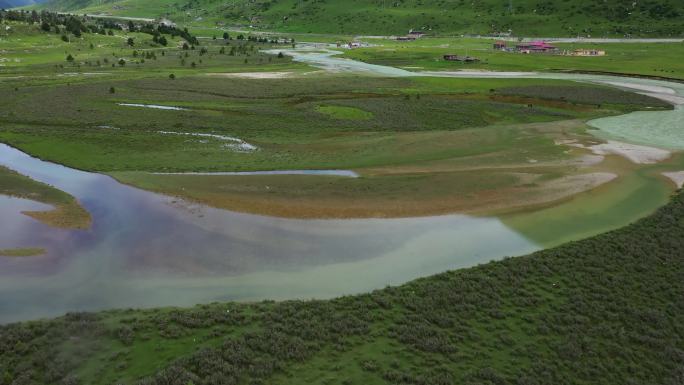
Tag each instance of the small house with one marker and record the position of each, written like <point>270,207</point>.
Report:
<point>164,22</point>
<point>588,52</point>
<point>416,34</point>
<point>500,45</point>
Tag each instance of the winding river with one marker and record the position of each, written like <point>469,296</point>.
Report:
<point>146,249</point>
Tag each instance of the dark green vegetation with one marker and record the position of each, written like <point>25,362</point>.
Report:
<point>280,116</point>
<point>68,213</point>
<point>574,94</point>
<point>525,17</point>
<point>606,310</point>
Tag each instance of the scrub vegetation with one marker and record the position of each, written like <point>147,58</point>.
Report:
<point>605,310</point>
<point>67,213</point>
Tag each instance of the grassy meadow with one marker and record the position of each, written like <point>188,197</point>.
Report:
<point>404,136</point>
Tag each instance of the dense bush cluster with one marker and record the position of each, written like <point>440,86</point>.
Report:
<point>585,95</point>
<point>606,310</point>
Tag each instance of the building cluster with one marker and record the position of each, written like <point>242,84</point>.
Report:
<point>349,44</point>
<point>542,47</point>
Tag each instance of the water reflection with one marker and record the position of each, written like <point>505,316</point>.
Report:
<point>144,250</point>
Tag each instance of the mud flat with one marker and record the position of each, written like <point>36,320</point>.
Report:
<point>676,176</point>
<point>154,106</point>
<point>235,144</point>
<point>254,75</point>
<point>635,153</point>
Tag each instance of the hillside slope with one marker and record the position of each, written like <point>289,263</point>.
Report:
<point>6,4</point>
<point>523,17</point>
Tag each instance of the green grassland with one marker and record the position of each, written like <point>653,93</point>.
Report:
<point>605,310</point>
<point>403,135</point>
<point>416,135</point>
<point>83,126</point>
<point>68,213</point>
<point>652,59</point>
<point>526,17</point>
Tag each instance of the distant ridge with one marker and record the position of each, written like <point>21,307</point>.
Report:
<point>6,4</point>
<point>662,18</point>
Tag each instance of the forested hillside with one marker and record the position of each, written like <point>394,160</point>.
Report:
<point>522,17</point>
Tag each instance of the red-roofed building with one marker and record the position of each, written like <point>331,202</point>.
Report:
<point>536,47</point>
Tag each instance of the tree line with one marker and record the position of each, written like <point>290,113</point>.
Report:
<point>77,25</point>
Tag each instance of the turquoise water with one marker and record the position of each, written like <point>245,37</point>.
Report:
<point>659,129</point>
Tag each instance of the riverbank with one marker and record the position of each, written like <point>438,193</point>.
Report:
<point>547,311</point>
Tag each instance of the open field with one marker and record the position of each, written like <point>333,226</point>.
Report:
<point>550,316</point>
<point>67,212</point>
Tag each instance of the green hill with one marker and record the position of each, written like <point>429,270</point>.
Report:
<point>523,17</point>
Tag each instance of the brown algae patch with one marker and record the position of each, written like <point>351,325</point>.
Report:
<point>677,177</point>
<point>67,216</point>
<point>67,212</point>
<point>22,252</point>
